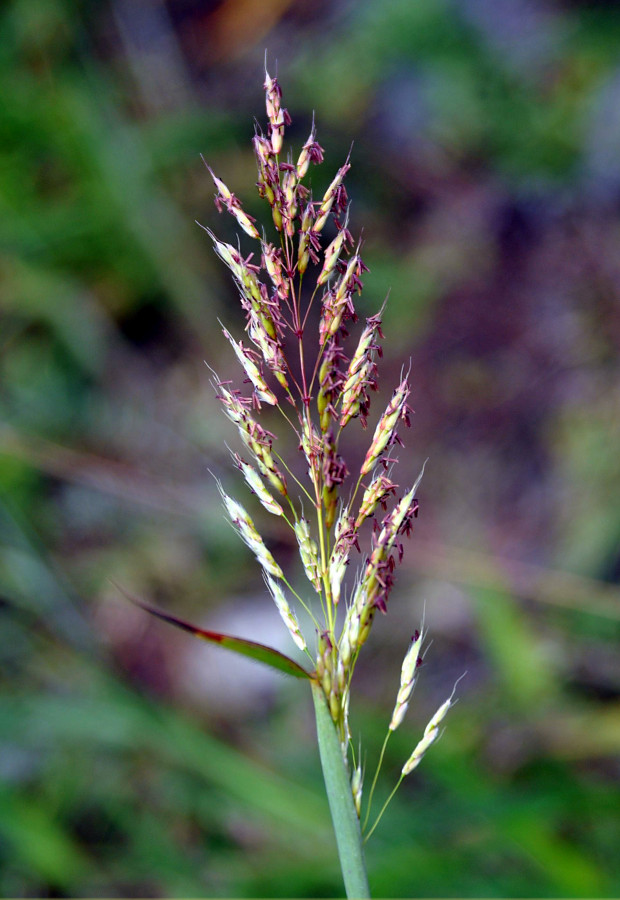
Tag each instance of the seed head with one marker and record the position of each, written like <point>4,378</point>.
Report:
<point>277,323</point>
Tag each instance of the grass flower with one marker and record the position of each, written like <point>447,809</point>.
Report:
<point>322,387</point>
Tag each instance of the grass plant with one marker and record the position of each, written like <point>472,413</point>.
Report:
<point>297,289</point>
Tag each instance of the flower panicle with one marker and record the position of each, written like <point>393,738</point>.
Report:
<point>328,391</point>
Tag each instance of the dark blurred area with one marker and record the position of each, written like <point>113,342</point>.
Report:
<point>486,179</point>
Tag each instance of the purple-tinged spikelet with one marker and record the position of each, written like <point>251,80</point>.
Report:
<point>295,268</point>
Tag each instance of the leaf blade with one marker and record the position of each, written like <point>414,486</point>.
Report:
<point>244,647</point>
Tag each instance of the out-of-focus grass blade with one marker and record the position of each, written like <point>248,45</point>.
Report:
<point>36,839</point>
<point>112,719</point>
<point>512,644</point>
<point>259,652</point>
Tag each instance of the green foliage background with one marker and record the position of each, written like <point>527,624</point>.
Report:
<point>486,177</point>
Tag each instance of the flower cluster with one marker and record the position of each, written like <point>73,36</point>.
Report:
<point>327,390</point>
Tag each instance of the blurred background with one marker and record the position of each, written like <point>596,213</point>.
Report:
<point>486,179</point>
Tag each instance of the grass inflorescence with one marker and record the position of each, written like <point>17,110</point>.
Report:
<point>298,291</point>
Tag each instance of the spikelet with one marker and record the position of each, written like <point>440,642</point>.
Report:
<point>309,553</point>
<point>335,193</point>
<point>385,431</point>
<point>244,525</point>
<point>311,152</point>
<point>246,358</point>
<point>356,788</point>
<point>407,680</point>
<point>360,377</point>
<point>333,251</point>
<point>344,536</point>
<point>227,199</point>
<point>431,733</point>
<point>254,436</point>
<point>254,482</point>
<point>376,493</point>
<point>288,616</point>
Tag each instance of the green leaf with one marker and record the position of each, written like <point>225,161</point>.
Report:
<point>260,652</point>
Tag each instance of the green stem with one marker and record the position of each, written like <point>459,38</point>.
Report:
<point>338,787</point>
<point>374,781</point>
<point>383,808</point>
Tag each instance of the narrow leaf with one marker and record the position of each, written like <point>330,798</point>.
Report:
<point>260,652</point>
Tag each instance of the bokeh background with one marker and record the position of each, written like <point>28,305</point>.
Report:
<point>486,178</point>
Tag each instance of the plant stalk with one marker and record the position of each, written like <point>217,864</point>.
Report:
<point>338,787</point>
